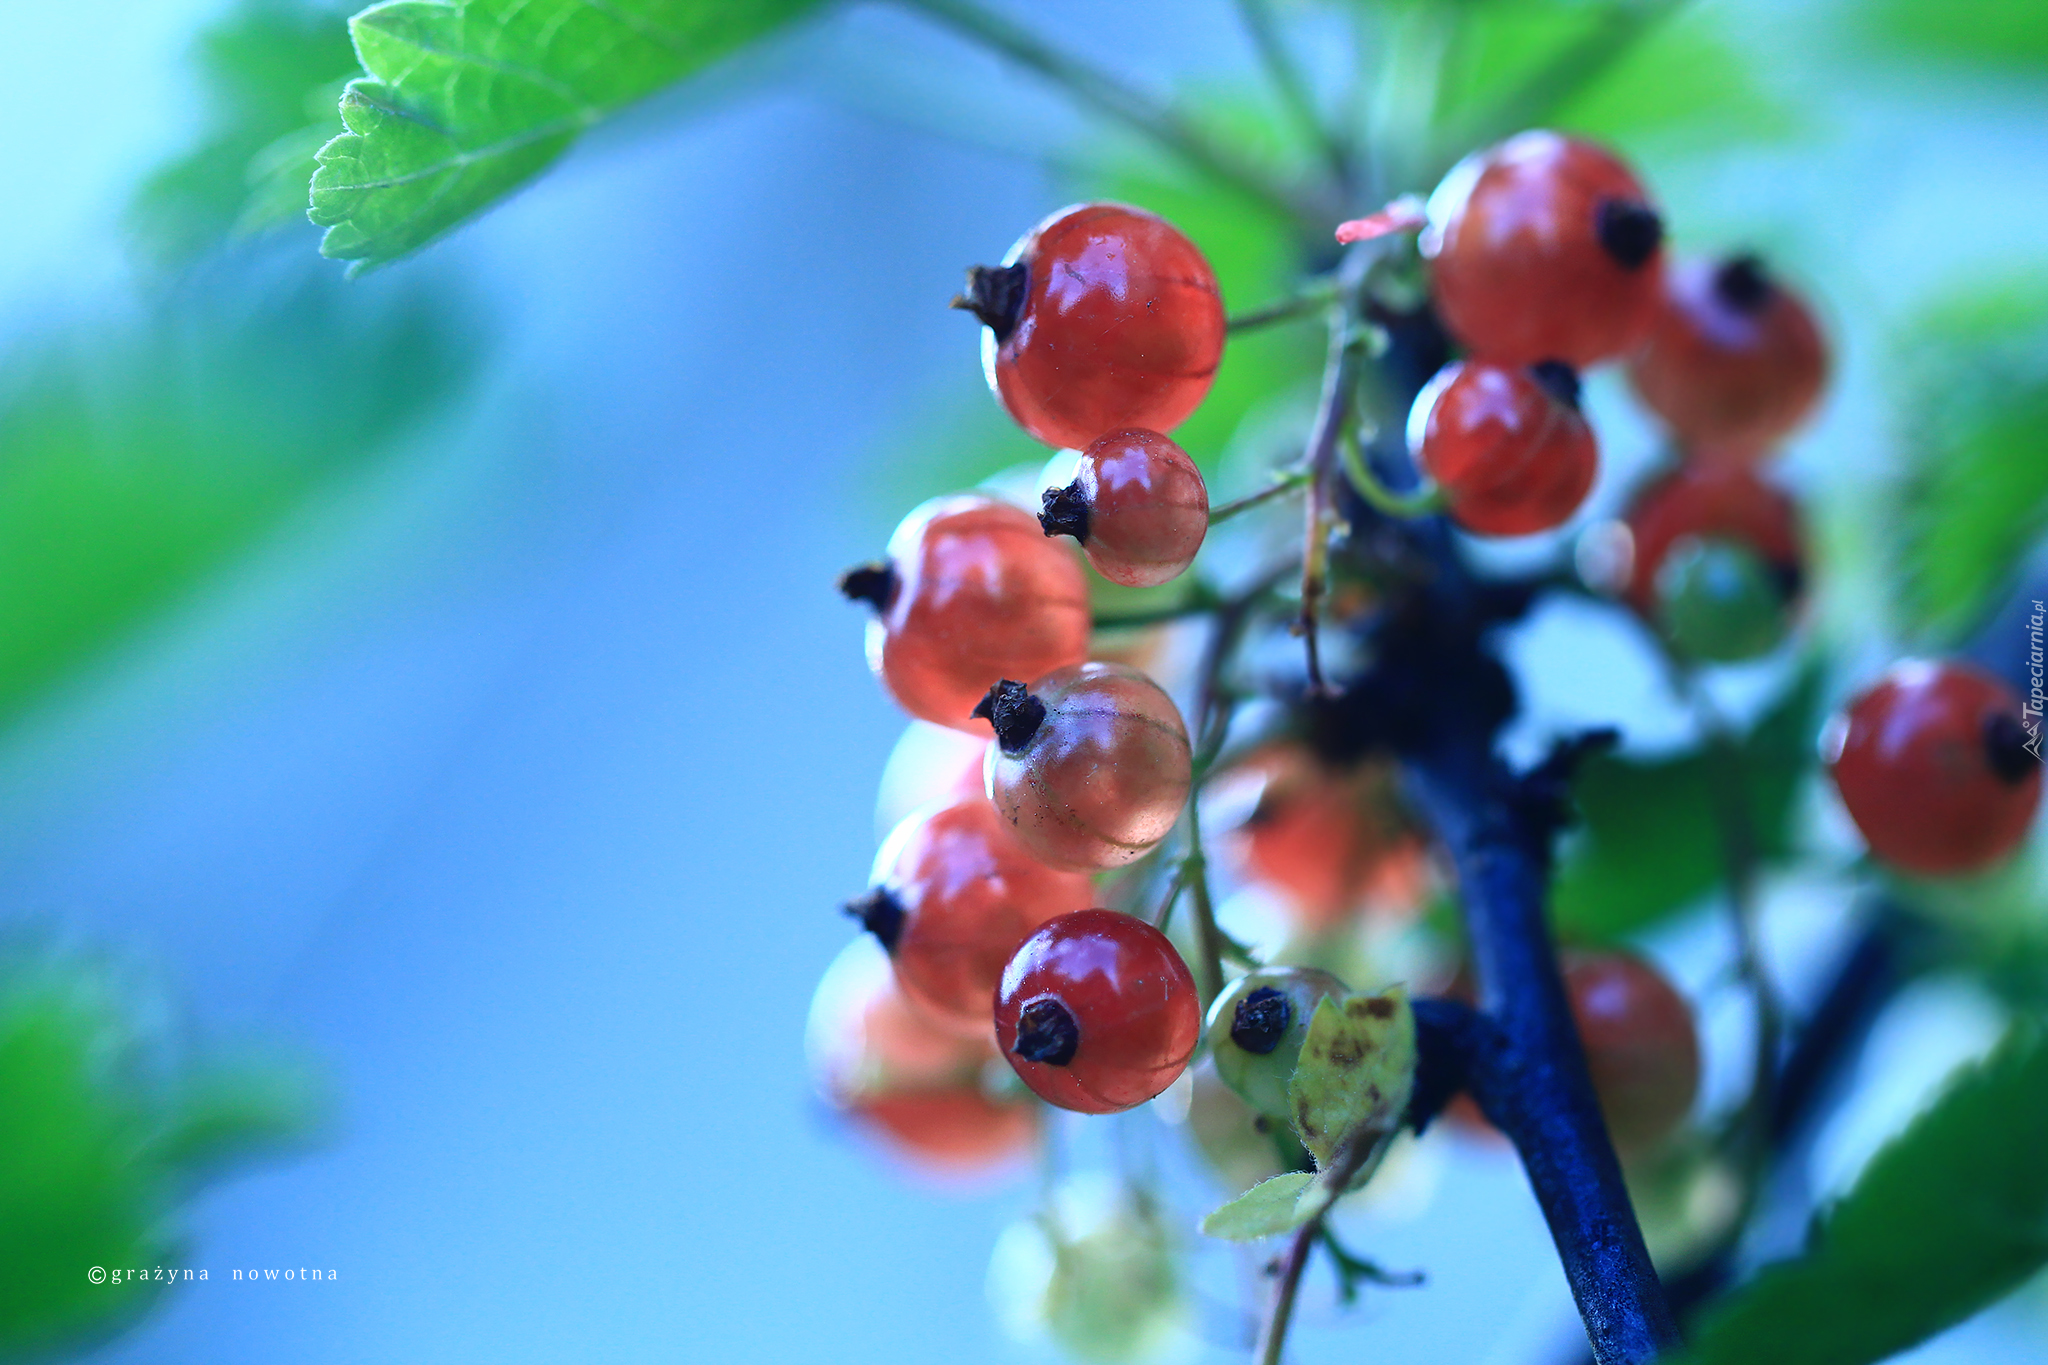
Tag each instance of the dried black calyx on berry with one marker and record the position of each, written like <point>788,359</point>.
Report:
<point>1789,578</point>
<point>1740,282</point>
<point>1015,714</point>
<point>1261,1020</point>
<point>1630,232</point>
<point>881,914</point>
<point>875,584</point>
<point>1066,511</point>
<point>1557,379</point>
<point>995,294</point>
<point>1047,1033</point>
<point>2006,748</point>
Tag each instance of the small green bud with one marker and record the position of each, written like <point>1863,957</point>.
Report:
<point>1721,602</point>
<point>1256,1029</point>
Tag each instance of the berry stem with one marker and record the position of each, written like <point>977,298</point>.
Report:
<point>1424,501</point>
<point>1273,1337</point>
<point>1092,86</point>
<point>1313,298</point>
<point>1282,483</point>
<point>1208,938</point>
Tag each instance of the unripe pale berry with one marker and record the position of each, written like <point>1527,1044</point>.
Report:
<point>972,592</point>
<point>1506,443</point>
<point>1544,248</point>
<point>1937,768</point>
<point>1097,1012</point>
<point>1734,362</point>
<point>1256,1028</point>
<point>1137,505</point>
<point>1102,317</point>
<point>916,1086</point>
<point>953,895</point>
<point>1091,765</point>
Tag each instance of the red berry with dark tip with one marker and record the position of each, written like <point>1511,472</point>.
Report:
<point>953,895</point>
<point>1544,248</point>
<point>1506,443</point>
<point>1102,317</point>
<point>1091,765</point>
<point>1937,767</point>
<point>972,592</point>
<point>1710,504</point>
<point>1734,361</point>
<point>1138,506</point>
<point>1097,1012</point>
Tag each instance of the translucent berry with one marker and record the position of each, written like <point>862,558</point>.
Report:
<point>1544,248</point>
<point>1734,361</point>
<point>1102,317</point>
<point>1506,443</point>
<point>1097,1012</point>
<point>929,763</point>
<point>1328,840</point>
<point>1715,561</point>
<point>1938,767</point>
<point>1641,1045</point>
<point>1137,505</point>
<point>1094,1271</point>
<point>916,1086</point>
<point>1091,765</point>
<point>953,895</point>
<point>1256,1029</point>
<point>972,592</point>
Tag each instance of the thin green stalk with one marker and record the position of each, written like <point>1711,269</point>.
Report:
<point>1284,483</point>
<point>1097,88</point>
<point>1424,501</point>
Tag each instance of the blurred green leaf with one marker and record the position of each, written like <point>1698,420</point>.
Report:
<point>1974,495</point>
<point>1267,1208</point>
<point>1948,1218</point>
<point>91,1161</point>
<point>466,100</point>
<point>1648,843</point>
<point>135,460</point>
<point>269,74</point>
<point>2012,34</point>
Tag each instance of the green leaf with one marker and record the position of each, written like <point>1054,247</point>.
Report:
<point>1947,1219</point>
<point>1974,494</point>
<point>269,75</point>
<point>1267,1208</point>
<point>1356,1071</point>
<point>1648,843</point>
<point>133,461</point>
<point>2012,34</point>
<point>466,100</point>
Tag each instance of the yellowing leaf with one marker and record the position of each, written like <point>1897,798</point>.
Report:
<point>1356,1070</point>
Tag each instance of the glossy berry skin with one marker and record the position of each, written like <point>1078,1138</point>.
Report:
<point>1118,324</point>
<point>1933,764</point>
<point>1091,765</point>
<point>972,592</point>
<point>1641,1045</point>
<point>953,895</point>
<point>1103,1009</point>
<point>1328,840</point>
<point>916,1086</point>
<point>1710,503</point>
<point>1138,506</point>
<point>1507,445</point>
<point>1256,1028</point>
<point>1734,361</point>
<point>1544,248</point>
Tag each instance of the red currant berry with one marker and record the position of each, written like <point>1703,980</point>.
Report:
<point>972,592</point>
<point>918,1087</point>
<point>1091,765</point>
<point>1544,247</point>
<point>1936,768</point>
<point>1698,505</point>
<point>1137,505</point>
<point>1097,1012</point>
<point>1734,361</point>
<point>1506,443</point>
<point>1328,840</point>
<point>954,894</point>
<point>1101,317</point>
<point>1641,1045</point>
